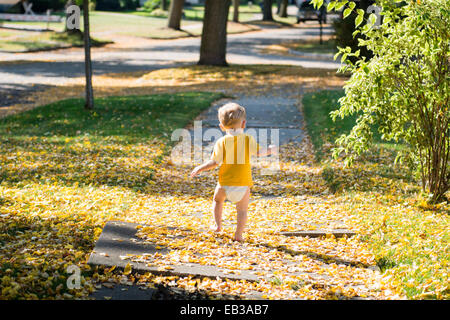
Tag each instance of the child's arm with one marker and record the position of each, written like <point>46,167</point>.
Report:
<point>208,165</point>
<point>272,149</point>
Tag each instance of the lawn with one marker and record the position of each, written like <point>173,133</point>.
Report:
<point>196,13</point>
<point>24,41</point>
<point>323,130</point>
<point>328,46</point>
<point>64,170</point>
<point>108,25</point>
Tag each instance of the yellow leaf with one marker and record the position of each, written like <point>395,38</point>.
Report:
<point>110,269</point>
<point>127,269</point>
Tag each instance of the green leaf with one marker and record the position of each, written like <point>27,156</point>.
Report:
<point>347,12</point>
<point>341,4</point>
<point>331,5</point>
<point>336,56</point>
<point>372,19</point>
<point>317,3</point>
<point>359,18</point>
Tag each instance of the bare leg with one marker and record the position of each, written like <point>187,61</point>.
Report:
<point>218,200</point>
<point>241,208</point>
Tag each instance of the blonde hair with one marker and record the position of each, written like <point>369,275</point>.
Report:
<point>230,114</point>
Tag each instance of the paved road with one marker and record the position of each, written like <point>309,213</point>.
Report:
<point>62,65</point>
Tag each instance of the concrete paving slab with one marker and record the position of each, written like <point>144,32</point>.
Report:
<point>262,111</point>
<point>319,233</point>
<point>270,120</point>
<point>123,292</point>
<point>119,239</point>
<point>263,135</point>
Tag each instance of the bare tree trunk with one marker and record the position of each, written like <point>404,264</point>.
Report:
<point>175,14</point>
<point>164,5</point>
<point>283,8</point>
<point>267,10</point>
<point>87,58</point>
<point>214,35</point>
<point>236,10</point>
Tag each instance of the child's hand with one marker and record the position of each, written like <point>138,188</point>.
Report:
<point>195,172</point>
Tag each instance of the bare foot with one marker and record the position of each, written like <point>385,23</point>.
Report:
<point>215,228</point>
<point>239,239</point>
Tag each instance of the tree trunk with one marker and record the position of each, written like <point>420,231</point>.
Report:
<point>236,10</point>
<point>164,5</point>
<point>283,8</point>
<point>175,14</point>
<point>87,58</point>
<point>214,35</point>
<point>267,10</point>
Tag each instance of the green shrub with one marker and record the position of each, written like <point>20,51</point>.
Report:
<point>344,29</point>
<point>116,5</point>
<point>403,89</point>
<point>40,6</point>
<point>151,5</point>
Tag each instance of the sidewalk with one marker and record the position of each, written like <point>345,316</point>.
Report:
<point>273,253</point>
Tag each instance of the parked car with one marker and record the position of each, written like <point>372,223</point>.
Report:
<point>306,11</point>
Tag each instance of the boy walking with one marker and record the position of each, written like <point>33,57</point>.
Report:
<point>232,153</point>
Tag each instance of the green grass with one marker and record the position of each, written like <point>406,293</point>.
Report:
<point>321,128</point>
<point>196,13</point>
<point>130,117</point>
<point>23,41</point>
<point>328,46</point>
<point>78,161</point>
<point>107,25</point>
<point>117,126</point>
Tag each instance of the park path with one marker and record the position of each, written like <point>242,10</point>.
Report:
<point>331,272</point>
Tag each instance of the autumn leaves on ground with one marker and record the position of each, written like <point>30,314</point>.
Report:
<point>64,172</point>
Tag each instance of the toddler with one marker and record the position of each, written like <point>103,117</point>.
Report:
<point>232,153</point>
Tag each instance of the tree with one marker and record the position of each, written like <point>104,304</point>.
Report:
<point>344,28</point>
<point>267,10</point>
<point>175,14</point>
<point>214,35</point>
<point>236,10</point>
<point>283,8</point>
<point>164,5</point>
<point>87,58</point>
<point>404,89</point>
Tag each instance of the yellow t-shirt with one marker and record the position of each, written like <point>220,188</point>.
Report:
<point>233,154</point>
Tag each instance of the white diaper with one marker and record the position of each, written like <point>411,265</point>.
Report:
<point>235,193</point>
